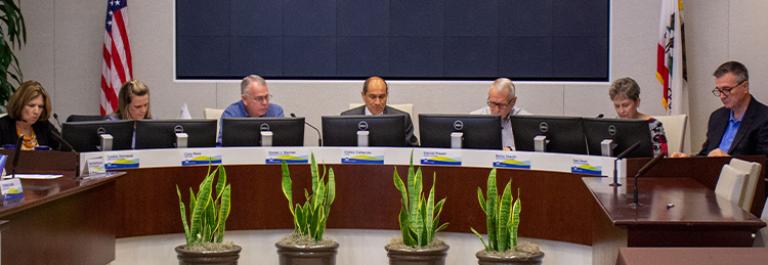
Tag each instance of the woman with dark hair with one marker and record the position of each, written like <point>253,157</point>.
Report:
<point>29,109</point>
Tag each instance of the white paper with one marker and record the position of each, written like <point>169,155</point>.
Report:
<point>34,176</point>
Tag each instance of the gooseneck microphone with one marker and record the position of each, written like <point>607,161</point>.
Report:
<point>58,122</point>
<point>60,138</point>
<point>642,171</point>
<point>319,135</point>
<point>619,157</point>
<point>600,116</point>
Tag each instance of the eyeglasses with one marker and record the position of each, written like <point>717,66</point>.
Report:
<point>498,105</point>
<point>264,98</point>
<point>725,90</point>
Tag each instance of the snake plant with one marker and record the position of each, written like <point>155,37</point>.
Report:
<point>419,216</point>
<point>309,219</point>
<point>13,34</point>
<point>502,216</point>
<point>208,211</point>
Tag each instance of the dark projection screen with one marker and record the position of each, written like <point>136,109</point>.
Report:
<point>559,40</point>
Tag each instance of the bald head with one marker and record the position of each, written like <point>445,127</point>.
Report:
<point>375,92</point>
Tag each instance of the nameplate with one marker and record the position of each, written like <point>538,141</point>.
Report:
<point>95,165</point>
<point>11,189</point>
<point>509,160</point>
<point>121,161</point>
<point>200,158</point>
<point>3,159</point>
<point>278,156</point>
<point>362,156</point>
<point>586,166</point>
<point>442,158</point>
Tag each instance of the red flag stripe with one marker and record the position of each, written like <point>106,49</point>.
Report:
<point>109,93</point>
<point>117,64</point>
<point>117,67</point>
<point>123,31</point>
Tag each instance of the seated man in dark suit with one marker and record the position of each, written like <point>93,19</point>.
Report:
<point>740,127</point>
<point>375,92</point>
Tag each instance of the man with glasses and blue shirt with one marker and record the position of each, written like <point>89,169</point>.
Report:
<point>740,127</point>
<point>255,101</point>
<point>501,102</point>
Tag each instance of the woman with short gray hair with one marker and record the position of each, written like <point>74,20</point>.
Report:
<point>625,94</point>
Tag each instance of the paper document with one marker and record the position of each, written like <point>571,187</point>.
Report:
<point>34,176</point>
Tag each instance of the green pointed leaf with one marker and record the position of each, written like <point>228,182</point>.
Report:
<point>503,218</point>
<point>183,211</point>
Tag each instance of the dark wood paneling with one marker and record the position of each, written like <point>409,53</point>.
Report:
<point>61,221</point>
<point>43,161</point>
<point>706,170</point>
<point>698,256</point>
<point>672,212</point>
<point>553,203</point>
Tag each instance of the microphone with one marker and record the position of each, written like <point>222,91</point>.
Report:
<point>16,155</point>
<point>600,116</point>
<point>58,122</point>
<point>319,135</point>
<point>60,138</point>
<point>619,157</point>
<point>641,172</point>
<point>629,150</point>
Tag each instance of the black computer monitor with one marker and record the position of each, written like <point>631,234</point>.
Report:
<point>162,133</point>
<point>564,134</point>
<point>247,131</point>
<point>385,130</point>
<point>624,134</point>
<point>84,135</point>
<point>480,131</point>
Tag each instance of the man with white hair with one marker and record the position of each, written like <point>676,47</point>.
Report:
<point>501,102</point>
<point>254,101</point>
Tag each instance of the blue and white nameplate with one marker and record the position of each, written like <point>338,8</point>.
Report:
<point>289,156</point>
<point>121,161</point>
<point>442,158</point>
<point>362,156</point>
<point>95,165</point>
<point>585,166</point>
<point>11,189</point>
<point>509,160</point>
<point>200,158</point>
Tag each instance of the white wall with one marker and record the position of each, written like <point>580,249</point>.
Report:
<point>64,53</point>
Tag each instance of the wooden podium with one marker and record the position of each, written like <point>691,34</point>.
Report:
<point>59,221</point>
<point>677,208</point>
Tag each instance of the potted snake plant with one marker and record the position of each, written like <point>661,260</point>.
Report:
<point>306,244</point>
<point>502,220</point>
<point>205,225</point>
<point>419,220</point>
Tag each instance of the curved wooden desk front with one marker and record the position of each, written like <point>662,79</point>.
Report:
<point>556,206</point>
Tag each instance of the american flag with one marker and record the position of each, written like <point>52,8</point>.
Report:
<point>116,68</point>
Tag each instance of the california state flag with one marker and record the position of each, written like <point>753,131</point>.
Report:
<point>670,58</point>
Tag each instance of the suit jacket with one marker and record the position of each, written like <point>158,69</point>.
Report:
<point>410,139</point>
<point>42,132</point>
<point>750,139</point>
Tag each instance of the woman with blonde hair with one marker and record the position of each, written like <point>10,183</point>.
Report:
<point>29,109</point>
<point>133,102</point>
